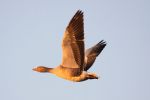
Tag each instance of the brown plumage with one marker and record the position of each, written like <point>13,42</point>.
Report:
<point>92,53</point>
<point>75,61</point>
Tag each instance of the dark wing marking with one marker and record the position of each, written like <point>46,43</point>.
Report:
<point>92,53</point>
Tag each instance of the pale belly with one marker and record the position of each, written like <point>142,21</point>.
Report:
<point>68,75</point>
<point>72,74</point>
<point>79,78</point>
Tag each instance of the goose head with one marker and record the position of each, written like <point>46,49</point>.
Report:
<point>41,69</point>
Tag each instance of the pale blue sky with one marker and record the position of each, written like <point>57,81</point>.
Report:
<point>31,33</point>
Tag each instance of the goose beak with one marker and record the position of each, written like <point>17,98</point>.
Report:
<point>34,69</point>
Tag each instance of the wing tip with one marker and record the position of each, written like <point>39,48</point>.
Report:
<point>80,11</point>
<point>103,42</point>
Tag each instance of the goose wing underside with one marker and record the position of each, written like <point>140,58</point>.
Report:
<point>73,43</point>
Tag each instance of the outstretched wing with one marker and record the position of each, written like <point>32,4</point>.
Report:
<point>92,53</point>
<point>73,43</point>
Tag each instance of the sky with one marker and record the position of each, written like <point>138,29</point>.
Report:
<point>31,33</point>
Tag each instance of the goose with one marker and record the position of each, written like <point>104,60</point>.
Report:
<point>75,60</point>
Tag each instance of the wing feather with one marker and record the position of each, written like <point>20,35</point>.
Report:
<point>73,43</point>
<point>92,53</point>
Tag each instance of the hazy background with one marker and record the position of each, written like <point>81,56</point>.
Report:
<point>31,33</point>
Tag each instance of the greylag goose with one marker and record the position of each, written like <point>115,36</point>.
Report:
<point>75,61</point>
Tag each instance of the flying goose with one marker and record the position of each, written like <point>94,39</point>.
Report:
<point>75,61</point>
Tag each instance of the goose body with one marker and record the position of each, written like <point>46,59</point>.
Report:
<point>75,60</point>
